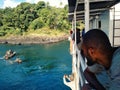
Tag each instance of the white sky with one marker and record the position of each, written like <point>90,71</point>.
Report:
<point>14,3</point>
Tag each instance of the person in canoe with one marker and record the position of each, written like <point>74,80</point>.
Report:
<point>9,54</point>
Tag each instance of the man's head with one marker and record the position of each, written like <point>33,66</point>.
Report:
<point>95,46</point>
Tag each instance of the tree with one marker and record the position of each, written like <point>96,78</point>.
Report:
<point>44,14</point>
<point>28,16</point>
<point>40,5</point>
<point>24,15</point>
<point>36,24</point>
<point>1,17</point>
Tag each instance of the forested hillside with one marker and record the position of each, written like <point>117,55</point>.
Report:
<point>28,18</point>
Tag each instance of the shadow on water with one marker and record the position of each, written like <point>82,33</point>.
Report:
<point>43,68</point>
<point>48,66</point>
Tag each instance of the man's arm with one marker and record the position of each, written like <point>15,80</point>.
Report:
<point>92,80</point>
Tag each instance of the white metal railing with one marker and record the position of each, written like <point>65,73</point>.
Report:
<point>78,64</point>
<point>78,67</point>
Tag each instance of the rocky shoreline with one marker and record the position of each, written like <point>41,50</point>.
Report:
<point>32,39</point>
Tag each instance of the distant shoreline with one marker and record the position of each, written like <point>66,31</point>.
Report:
<point>32,39</point>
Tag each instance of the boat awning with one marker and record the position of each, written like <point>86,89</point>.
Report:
<point>96,7</point>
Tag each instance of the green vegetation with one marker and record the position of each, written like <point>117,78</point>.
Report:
<point>40,18</point>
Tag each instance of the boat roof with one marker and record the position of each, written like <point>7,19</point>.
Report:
<point>96,7</point>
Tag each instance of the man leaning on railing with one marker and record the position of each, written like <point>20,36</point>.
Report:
<point>96,47</point>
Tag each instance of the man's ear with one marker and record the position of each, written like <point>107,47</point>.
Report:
<point>91,51</point>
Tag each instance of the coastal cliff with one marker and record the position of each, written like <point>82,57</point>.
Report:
<point>30,39</point>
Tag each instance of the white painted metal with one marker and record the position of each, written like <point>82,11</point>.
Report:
<point>93,10</point>
<point>86,15</point>
<point>82,1</point>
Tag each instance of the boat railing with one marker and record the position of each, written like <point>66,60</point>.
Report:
<point>78,67</point>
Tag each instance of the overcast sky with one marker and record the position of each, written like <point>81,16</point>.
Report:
<point>14,3</point>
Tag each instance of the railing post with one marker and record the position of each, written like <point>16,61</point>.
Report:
<point>75,26</point>
<point>86,15</point>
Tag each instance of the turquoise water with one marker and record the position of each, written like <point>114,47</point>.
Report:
<point>42,68</point>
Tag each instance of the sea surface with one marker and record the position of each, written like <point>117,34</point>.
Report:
<point>42,67</point>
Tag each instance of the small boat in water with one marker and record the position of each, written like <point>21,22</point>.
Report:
<point>9,54</point>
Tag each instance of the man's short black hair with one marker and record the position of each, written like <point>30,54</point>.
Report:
<point>96,38</point>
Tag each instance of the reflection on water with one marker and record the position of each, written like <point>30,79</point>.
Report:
<point>42,67</point>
